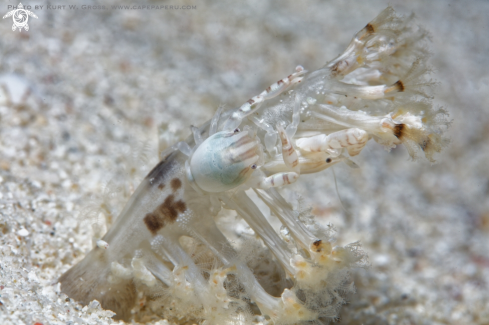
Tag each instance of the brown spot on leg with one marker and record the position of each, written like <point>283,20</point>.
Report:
<point>180,206</point>
<point>285,177</point>
<point>165,213</point>
<point>399,86</point>
<point>176,183</point>
<point>169,209</point>
<point>317,245</point>
<point>370,28</point>
<point>161,186</point>
<point>153,223</point>
<point>398,130</point>
<point>161,169</point>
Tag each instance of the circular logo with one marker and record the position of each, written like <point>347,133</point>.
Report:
<point>20,16</point>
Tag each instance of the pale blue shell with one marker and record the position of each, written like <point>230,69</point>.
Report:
<point>224,161</point>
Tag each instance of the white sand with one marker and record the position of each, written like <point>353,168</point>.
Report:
<point>102,80</point>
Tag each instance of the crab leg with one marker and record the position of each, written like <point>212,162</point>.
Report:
<point>254,103</point>
<point>353,140</point>
<point>291,160</point>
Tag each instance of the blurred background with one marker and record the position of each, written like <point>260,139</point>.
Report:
<point>86,92</point>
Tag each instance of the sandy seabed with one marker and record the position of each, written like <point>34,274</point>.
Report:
<point>84,92</point>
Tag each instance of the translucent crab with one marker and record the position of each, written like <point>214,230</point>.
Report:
<point>169,255</point>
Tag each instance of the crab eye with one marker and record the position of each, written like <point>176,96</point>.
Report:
<point>253,166</point>
<point>236,130</point>
<point>328,160</point>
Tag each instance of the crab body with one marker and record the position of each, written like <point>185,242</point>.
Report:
<point>306,122</point>
<point>224,161</point>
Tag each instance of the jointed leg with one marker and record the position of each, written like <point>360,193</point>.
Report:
<point>291,160</point>
<point>254,103</point>
<point>288,152</point>
<point>353,140</point>
<point>215,120</point>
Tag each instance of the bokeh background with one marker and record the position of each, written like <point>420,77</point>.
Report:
<point>85,94</point>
